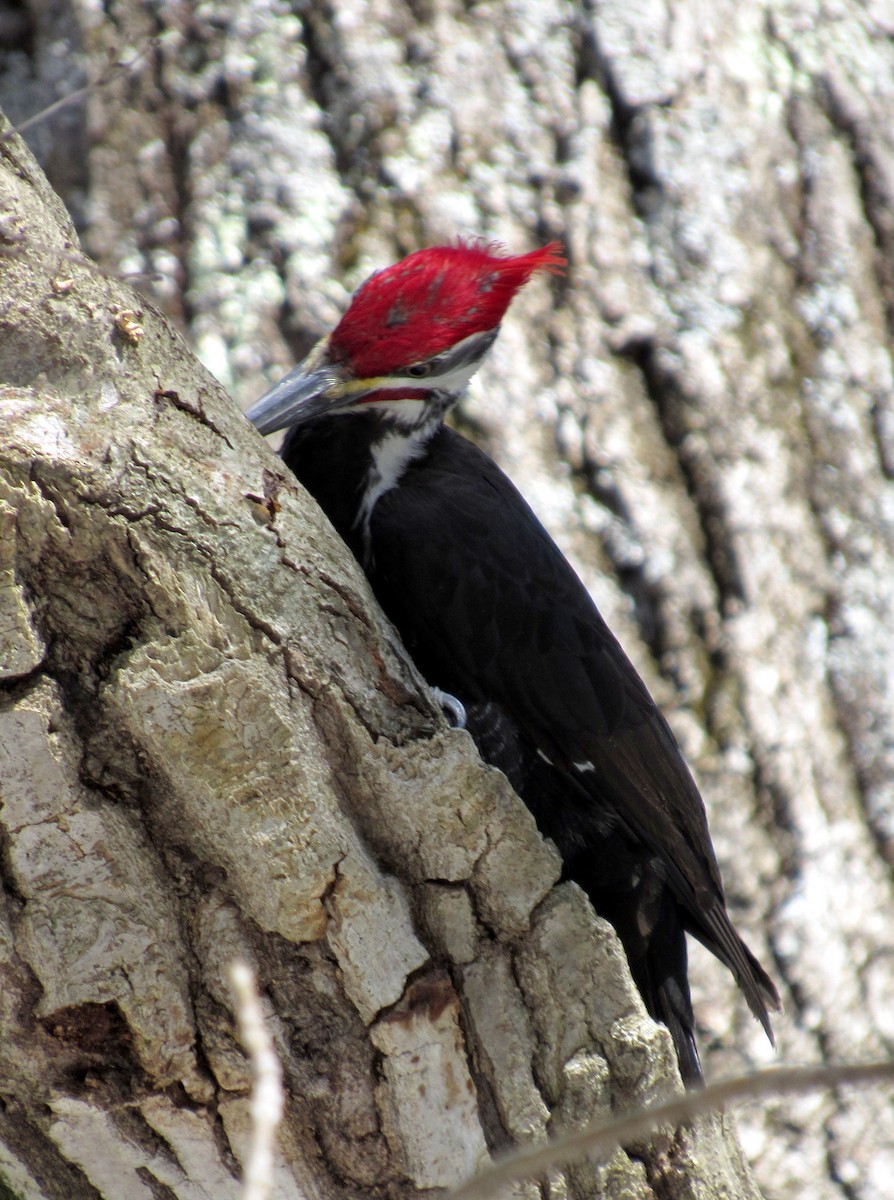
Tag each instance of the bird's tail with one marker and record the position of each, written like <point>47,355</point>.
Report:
<point>661,974</point>
<point>672,1006</point>
<point>716,931</point>
<point>647,920</point>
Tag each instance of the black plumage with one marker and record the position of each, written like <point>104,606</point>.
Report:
<point>492,613</point>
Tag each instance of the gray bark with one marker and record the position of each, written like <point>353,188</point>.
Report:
<point>703,415</point>
<point>211,746</point>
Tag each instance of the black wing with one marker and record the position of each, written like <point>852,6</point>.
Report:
<point>492,612</point>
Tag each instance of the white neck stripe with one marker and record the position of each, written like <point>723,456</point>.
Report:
<point>391,456</point>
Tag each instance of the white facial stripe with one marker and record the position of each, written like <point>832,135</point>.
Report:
<point>408,411</point>
<point>448,381</point>
<point>455,367</point>
<point>455,380</point>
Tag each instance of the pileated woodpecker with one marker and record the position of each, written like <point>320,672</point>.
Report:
<point>494,616</point>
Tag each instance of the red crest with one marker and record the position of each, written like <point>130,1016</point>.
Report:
<point>430,301</point>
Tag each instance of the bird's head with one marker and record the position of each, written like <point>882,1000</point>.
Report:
<point>410,340</point>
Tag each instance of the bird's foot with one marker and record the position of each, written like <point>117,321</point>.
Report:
<point>452,708</point>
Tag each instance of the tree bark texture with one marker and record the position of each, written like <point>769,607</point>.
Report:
<point>213,743</point>
<point>212,747</point>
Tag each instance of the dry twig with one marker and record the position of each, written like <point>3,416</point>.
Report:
<point>600,1137</point>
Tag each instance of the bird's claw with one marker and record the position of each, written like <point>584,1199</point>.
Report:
<point>452,708</point>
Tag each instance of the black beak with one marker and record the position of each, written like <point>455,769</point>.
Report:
<point>300,396</point>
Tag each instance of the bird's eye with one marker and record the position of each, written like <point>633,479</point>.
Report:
<point>419,370</point>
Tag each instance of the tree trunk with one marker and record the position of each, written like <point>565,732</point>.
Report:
<point>211,742</point>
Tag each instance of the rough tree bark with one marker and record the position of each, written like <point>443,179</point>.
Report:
<point>212,747</point>
<point>703,413</point>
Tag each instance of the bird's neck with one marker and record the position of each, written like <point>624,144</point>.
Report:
<point>349,462</point>
<point>390,456</point>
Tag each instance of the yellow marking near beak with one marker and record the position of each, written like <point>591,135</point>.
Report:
<point>355,387</point>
